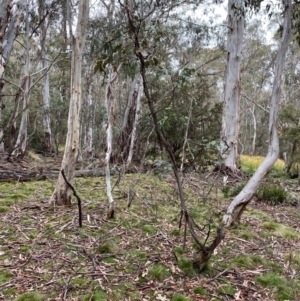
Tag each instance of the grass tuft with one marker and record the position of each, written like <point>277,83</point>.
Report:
<point>158,272</point>
<point>31,296</point>
<point>278,284</point>
<point>272,194</point>
<point>200,291</point>
<point>226,290</point>
<point>148,229</point>
<point>98,295</point>
<point>4,276</point>
<point>180,298</point>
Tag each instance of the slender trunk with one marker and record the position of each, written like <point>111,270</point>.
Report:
<point>237,206</point>
<point>45,82</point>
<point>254,131</point>
<point>230,117</point>
<point>186,135</point>
<point>110,107</point>
<point>139,85</point>
<point>62,192</point>
<point>89,130</point>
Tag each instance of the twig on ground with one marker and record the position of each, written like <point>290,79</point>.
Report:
<point>77,197</point>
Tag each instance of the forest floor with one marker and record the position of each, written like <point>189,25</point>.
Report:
<point>139,254</point>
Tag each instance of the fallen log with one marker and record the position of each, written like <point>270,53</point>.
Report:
<point>35,175</point>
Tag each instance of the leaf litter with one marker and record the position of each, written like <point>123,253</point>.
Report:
<point>139,254</point>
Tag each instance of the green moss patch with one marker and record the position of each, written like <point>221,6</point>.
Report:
<point>280,230</point>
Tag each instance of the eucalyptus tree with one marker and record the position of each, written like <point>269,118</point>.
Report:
<point>62,192</point>
<point>20,147</point>
<point>44,21</point>
<point>239,203</point>
<point>230,117</point>
<point>11,16</point>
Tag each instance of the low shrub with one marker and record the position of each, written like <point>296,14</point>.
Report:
<point>272,194</point>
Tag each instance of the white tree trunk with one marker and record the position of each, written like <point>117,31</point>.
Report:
<point>45,82</point>
<point>139,87</point>
<point>230,117</point>
<point>110,107</point>
<point>9,26</point>
<point>252,111</point>
<point>21,143</point>
<point>239,203</point>
<point>89,131</point>
<point>62,192</point>
<point>186,135</point>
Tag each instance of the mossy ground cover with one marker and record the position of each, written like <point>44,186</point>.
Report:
<point>139,254</point>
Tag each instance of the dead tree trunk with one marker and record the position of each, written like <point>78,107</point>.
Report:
<point>235,209</point>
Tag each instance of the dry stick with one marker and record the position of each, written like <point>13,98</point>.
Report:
<point>77,197</point>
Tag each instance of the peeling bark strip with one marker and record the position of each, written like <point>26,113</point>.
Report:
<point>62,192</point>
<point>230,117</point>
<point>239,203</point>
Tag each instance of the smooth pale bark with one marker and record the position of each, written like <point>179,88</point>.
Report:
<point>186,136</point>
<point>232,93</point>
<point>110,107</point>
<point>239,203</point>
<point>45,82</point>
<point>9,26</point>
<point>139,85</point>
<point>89,129</point>
<point>254,130</point>
<point>21,142</point>
<point>62,193</point>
